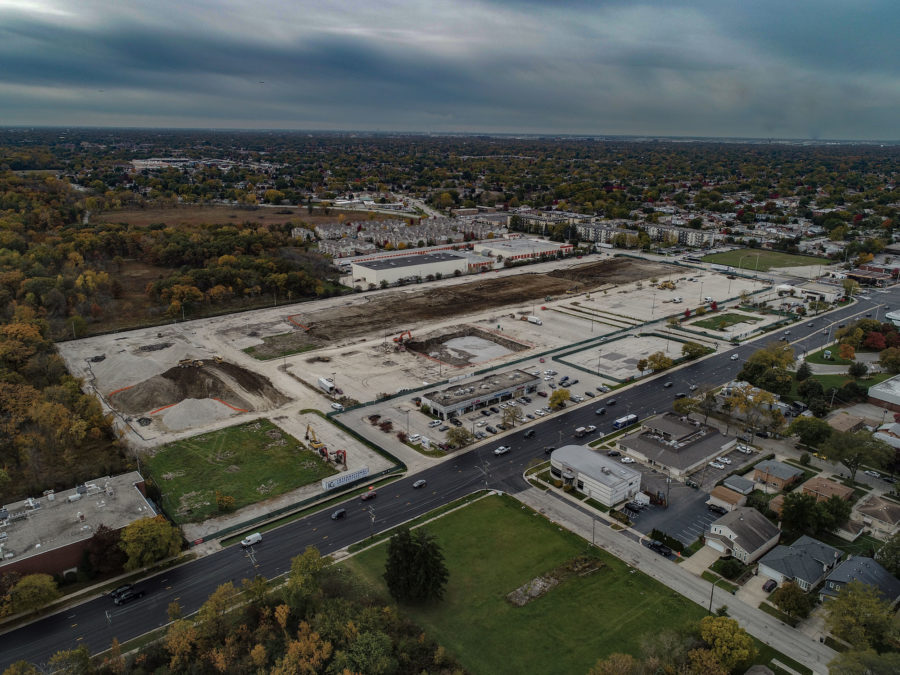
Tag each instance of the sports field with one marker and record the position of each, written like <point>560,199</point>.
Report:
<point>746,259</point>
<point>493,547</point>
<point>249,462</point>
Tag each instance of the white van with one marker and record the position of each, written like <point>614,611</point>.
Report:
<point>251,539</point>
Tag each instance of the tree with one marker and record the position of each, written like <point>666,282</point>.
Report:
<point>890,359</point>
<point>705,662</point>
<point>685,406</point>
<point>180,641</point>
<point>303,579</point>
<point>832,513</point>
<point>693,350</point>
<point>370,652</point>
<point>658,361</point>
<point>810,431</point>
<point>857,370</point>
<point>511,416</point>
<point>846,351</point>
<point>792,600</point>
<point>768,368</point>
<point>415,571</point>
<point>865,662</point>
<point>641,365</point>
<point>617,664</point>
<point>859,616</point>
<point>149,539</point>
<point>72,661</point>
<point>751,403</point>
<point>31,592</point>
<point>459,437</point>
<point>889,555</point>
<point>853,449</point>
<point>850,286</point>
<point>559,397</point>
<point>103,552</point>
<point>803,372</point>
<point>730,643</point>
<point>707,403</point>
<point>799,513</point>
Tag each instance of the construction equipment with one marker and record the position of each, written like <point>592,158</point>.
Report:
<point>198,363</point>
<point>399,339</point>
<point>185,363</point>
<point>313,439</point>
<point>218,359</point>
<point>666,285</point>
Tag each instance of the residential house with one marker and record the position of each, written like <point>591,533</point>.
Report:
<point>743,533</point>
<point>864,570</point>
<point>806,562</point>
<point>776,474</point>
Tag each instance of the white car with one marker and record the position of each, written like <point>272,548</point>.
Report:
<point>481,423</point>
<point>869,472</point>
<point>723,460</point>
<point>434,423</point>
<point>746,449</point>
<point>627,460</point>
<point>590,428</point>
<point>502,450</point>
<point>716,465</point>
<point>337,406</point>
<point>735,357</point>
<point>539,412</point>
<point>693,387</point>
<point>503,406</point>
<point>415,438</point>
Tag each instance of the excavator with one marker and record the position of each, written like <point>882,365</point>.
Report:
<point>399,339</point>
<point>313,440</point>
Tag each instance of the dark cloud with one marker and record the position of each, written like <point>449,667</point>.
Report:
<point>702,68</point>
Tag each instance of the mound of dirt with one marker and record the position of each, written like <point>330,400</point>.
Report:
<point>235,386</point>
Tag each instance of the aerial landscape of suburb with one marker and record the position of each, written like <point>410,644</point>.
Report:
<point>501,338</point>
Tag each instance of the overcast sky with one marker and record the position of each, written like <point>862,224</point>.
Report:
<point>754,68</point>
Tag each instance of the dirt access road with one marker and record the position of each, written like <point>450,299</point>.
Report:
<point>399,310</point>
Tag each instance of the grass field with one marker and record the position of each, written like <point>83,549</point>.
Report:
<point>839,380</point>
<point>722,321</point>
<point>835,360</point>
<point>249,462</point>
<point>746,259</point>
<point>566,630</point>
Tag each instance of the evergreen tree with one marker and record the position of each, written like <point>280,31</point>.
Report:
<point>415,571</point>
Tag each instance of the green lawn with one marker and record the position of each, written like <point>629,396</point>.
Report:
<point>839,380</point>
<point>746,259</point>
<point>566,630</point>
<point>864,544</point>
<point>835,360</point>
<point>714,322</point>
<point>249,462</point>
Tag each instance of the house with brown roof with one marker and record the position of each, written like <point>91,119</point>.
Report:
<point>882,515</point>
<point>776,474</point>
<point>845,422</point>
<point>726,498</point>
<point>823,489</point>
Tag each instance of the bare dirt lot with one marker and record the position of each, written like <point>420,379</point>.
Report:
<point>394,311</point>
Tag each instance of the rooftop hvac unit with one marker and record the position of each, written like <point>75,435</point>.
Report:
<point>4,514</point>
<point>75,497</point>
<point>81,489</point>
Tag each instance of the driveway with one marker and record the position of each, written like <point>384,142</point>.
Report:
<point>702,559</point>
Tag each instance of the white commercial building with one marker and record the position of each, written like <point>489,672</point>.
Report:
<point>886,394</point>
<point>469,395</point>
<point>409,268</point>
<point>594,474</point>
<point>512,250</point>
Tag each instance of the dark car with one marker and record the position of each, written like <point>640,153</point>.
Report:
<point>667,385</point>
<point>491,429</point>
<point>715,508</point>
<point>120,590</point>
<point>600,411</point>
<point>542,394</point>
<point>340,513</point>
<point>770,585</point>
<point>589,394</point>
<point>370,494</point>
<point>486,413</point>
<point>762,434</point>
<point>611,401</point>
<point>529,433</point>
<point>680,394</point>
<point>494,409</point>
<point>455,422</point>
<point>613,453</point>
<point>548,449</point>
<point>128,596</point>
<point>420,483</point>
<point>572,383</point>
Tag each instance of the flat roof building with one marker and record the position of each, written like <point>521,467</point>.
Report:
<point>886,394</point>
<point>594,474</point>
<point>48,534</point>
<point>411,267</point>
<point>521,249</point>
<point>678,443</point>
<point>467,395</point>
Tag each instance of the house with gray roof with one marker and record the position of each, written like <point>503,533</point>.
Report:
<point>776,474</point>
<point>806,562</point>
<point>739,484</point>
<point>864,570</point>
<point>744,533</point>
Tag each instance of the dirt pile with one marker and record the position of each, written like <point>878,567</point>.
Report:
<point>227,382</point>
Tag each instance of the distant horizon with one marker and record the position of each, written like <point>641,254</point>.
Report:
<point>644,137</point>
<point>807,70</point>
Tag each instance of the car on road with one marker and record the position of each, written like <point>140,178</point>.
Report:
<point>610,401</point>
<point>735,357</point>
<point>716,465</point>
<point>770,585</point>
<point>693,387</point>
<point>434,423</point>
<point>667,385</point>
<point>548,449</point>
<point>873,474</point>
<point>340,513</point>
<point>680,394</point>
<point>337,406</point>
<point>787,332</point>
<point>600,411</point>
<point>128,596</point>
<point>809,325</point>
<point>115,593</point>
<point>420,483</point>
<point>251,539</point>
<point>627,460</point>
<point>723,460</point>
<point>529,433</point>
<point>502,450</point>
<point>589,429</point>
<point>366,496</point>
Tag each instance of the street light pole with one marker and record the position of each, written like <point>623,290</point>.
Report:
<point>711,589</point>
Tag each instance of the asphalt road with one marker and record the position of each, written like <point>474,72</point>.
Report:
<point>96,622</point>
